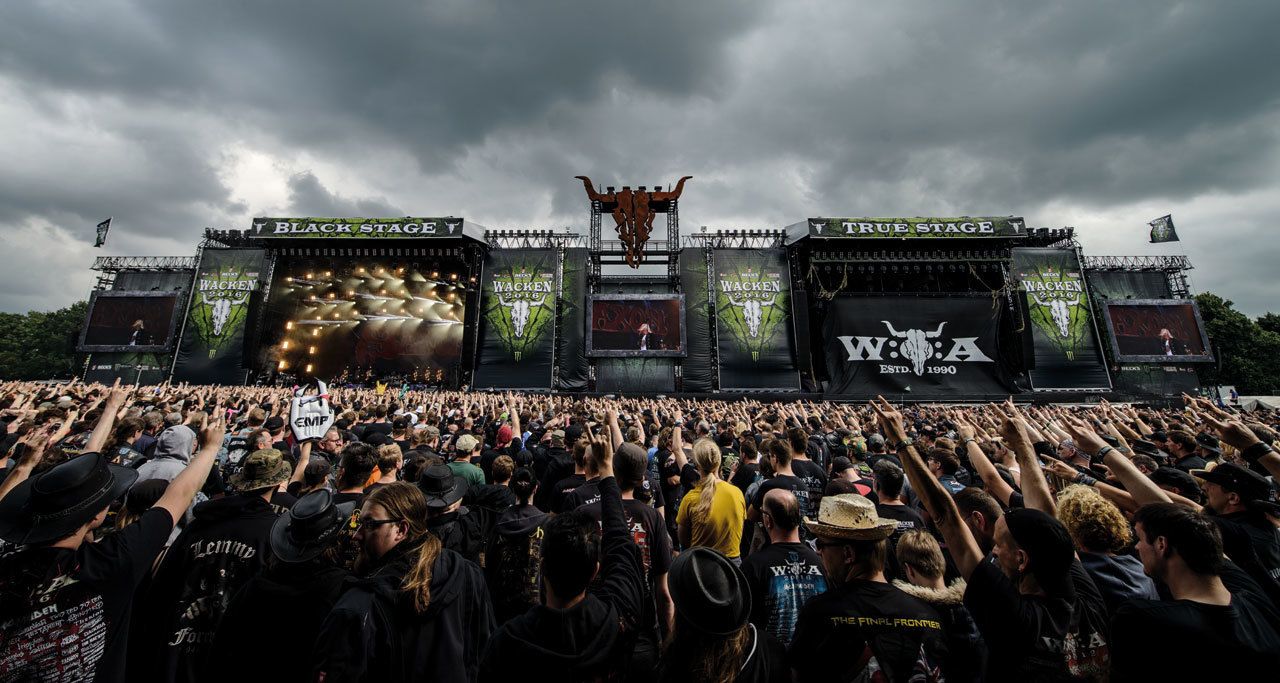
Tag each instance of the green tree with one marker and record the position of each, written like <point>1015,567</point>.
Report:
<point>41,345</point>
<point>1270,322</point>
<point>1249,354</point>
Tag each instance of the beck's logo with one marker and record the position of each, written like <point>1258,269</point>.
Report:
<point>918,347</point>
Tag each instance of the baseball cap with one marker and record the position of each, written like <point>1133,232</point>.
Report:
<point>557,437</point>
<point>466,443</point>
<point>1048,547</point>
<point>840,464</point>
<point>1249,485</point>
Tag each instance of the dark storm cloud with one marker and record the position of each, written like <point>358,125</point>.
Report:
<point>1098,114</point>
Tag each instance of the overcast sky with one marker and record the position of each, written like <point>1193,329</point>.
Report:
<point>172,116</point>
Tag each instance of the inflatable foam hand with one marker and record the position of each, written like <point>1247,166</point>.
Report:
<point>310,416</point>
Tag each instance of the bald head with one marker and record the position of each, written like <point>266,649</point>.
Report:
<point>783,514</point>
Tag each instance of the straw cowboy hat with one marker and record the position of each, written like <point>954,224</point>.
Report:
<point>851,517</point>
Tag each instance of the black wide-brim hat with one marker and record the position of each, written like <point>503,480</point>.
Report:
<point>309,527</point>
<point>57,502</point>
<point>709,591</point>
<point>441,487</point>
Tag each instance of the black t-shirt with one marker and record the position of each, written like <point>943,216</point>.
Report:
<point>282,502</point>
<point>65,613</point>
<point>1037,638</point>
<point>796,486</point>
<point>814,478</point>
<point>745,476</point>
<point>866,627</point>
<point>562,490</point>
<point>1253,543</point>
<point>1232,642</point>
<point>647,531</point>
<point>782,578</point>
<point>349,497</point>
<point>908,520</point>
<point>586,494</point>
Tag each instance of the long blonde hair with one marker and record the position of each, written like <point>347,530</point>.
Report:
<point>706,457</point>
<point>404,502</point>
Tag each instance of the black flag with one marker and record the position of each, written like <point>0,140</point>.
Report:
<point>103,227</point>
<point>1162,230</point>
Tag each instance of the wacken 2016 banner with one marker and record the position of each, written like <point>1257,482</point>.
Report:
<point>918,347</point>
<point>212,345</point>
<point>753,319</point>
<point>917,227</point>
<point>1063,335</point>
<point>518,319</point>
<point>356,227</point>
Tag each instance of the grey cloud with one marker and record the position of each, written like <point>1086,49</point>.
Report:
<point>487,109</point>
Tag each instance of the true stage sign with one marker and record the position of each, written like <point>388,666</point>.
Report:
<point>917,227</point>
<point>412,228</point>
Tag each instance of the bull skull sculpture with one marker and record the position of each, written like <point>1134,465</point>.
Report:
<point>753,312</point>
<point>1060,310</point>
<point>633,214</point>
<point>915,345</point>
<point>221,312</point>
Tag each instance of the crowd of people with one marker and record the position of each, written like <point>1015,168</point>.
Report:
<point>187,533</point>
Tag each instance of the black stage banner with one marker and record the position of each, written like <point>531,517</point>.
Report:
<point>1064,339</point>
<point>918,347</point>
<point>571,360</point>
<point>212,344</point>
<point>699,374</point>
<point>338,228</point>
<point>517,320</point>
<point>753,319</point>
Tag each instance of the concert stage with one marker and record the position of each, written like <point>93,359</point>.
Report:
<point>945,309</point>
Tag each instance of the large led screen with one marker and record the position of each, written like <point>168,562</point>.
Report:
<point>636,325</point>
<point>129,321</point>
<point>1157,331</point>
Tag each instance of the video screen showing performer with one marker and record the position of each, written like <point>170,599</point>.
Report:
<point>130,321</point>
<point>637,327</point>
<point>1169,331</point>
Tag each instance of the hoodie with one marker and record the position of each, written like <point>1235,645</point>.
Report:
<point>593,639</point>
<point>1119,578</point>
<point>512,561</point>
<point>274,620</point>
<point>374,633</point>
<point>223,547</point>
<point>966,651</point>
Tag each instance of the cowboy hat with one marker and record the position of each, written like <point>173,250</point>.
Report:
<point>55,503</point>
<point>851,517</point>
<point>309,526</point>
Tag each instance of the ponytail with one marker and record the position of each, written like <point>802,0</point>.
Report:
<point>706,457</point>
<point>418,581</point>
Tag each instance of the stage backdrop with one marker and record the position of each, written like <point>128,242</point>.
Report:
<point>1064,338</point>
<point>212,344</point>
<point>571,357</point>
<point>917,347</point>
<point>517,321</point>
<point>699,373</point>
<point>753,319</point>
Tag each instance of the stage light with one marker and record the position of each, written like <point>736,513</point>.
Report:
<point>435,273</point>
<point>288,325</point>
<point>331,295</point>
<point>312,351</point>
<point>308,368</point>
<point>285,345</point>
<point>453,276</point>
<point>351,292</point>
<point>315,332</point>
<point>288,279</point>
<point>335,316</point>
<point>282,365</point>
<point>310,276</point>
<point>328,273</point>
<point>383,292</point>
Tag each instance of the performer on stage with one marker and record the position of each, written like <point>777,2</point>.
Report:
<point>139,333</point>
<point>644,331</point>
<point>1171,346</point>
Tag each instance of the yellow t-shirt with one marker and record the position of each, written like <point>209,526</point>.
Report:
<point>722,528</point>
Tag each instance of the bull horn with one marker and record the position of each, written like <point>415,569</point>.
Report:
<point>938,332</point>
<point>591,191</point>
<point>891,330</point>
<point>680,185</point>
